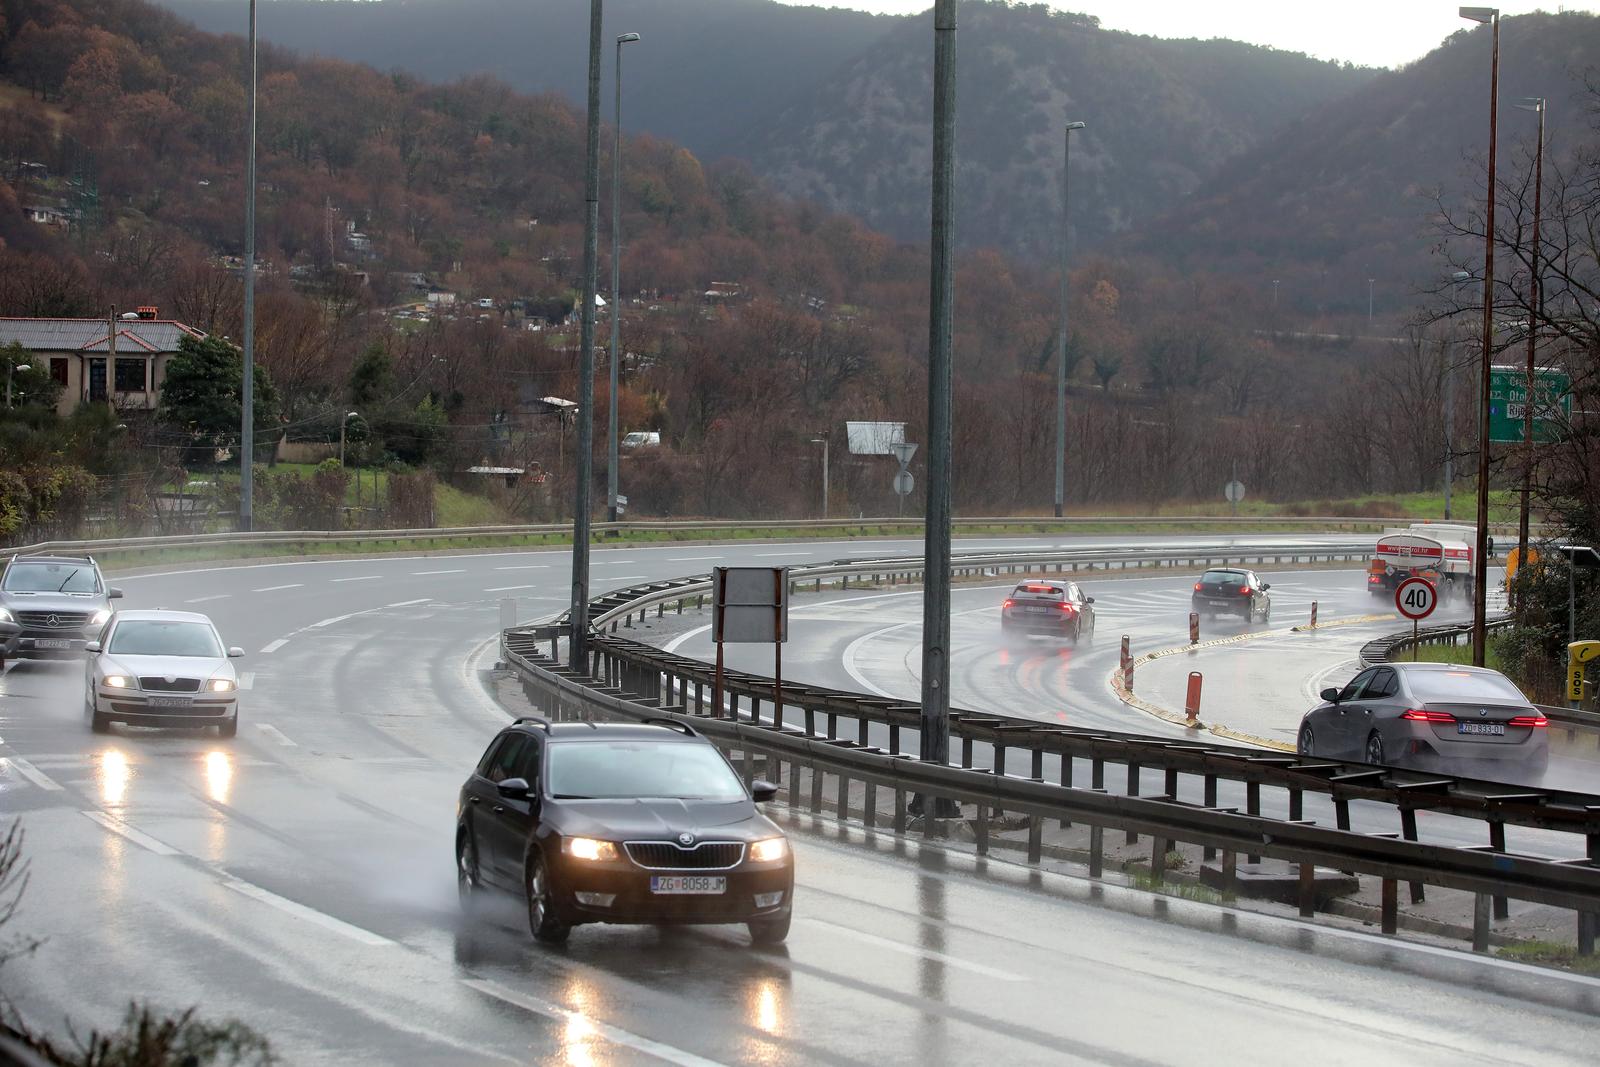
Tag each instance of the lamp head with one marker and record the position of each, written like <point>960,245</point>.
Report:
<point>1480,14</point>
<point>627,38</point>
<point>1076,125</point>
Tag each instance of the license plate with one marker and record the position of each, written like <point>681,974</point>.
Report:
<point>1220,604</point>
<point>1488,729</point>
<point>1039,610</point>
<point>692,885</point>
<point>51,642</point>
<point>171,702</point>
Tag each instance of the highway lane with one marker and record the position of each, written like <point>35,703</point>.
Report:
<point>299,877</point>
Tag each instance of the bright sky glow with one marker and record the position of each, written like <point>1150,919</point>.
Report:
<point>1374,33</point>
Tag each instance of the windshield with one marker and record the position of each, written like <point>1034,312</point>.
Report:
<point>150,637</point>
<point>1224,577</point>
<point>641,769</point>
<point>1458,686</point>
<point>51,578</point>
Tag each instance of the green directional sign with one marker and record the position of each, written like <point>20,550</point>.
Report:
<point>1508,397</point>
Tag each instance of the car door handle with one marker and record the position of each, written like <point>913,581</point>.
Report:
<point>472,800</point>
<point>499,809</point>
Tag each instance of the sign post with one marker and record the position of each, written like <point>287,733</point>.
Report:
<point>750,605</point>
<point>1416,598</point>
<point>904,483</point>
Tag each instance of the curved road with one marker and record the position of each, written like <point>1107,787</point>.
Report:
<point>299,878</point>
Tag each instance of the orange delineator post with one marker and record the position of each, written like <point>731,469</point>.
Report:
<point>1191,703</point>
<point>1127,665</point>
<point>1194,627</point>
<point>1313,615</point>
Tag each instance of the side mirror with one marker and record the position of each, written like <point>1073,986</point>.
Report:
<point>1265,586</point>
<point>235,652</point>
<point>1331,696</point>
<point>1088,600</point>
<point>514,788</point>
<point>761,792</point>
<point>114,593</point>
<point>92,646</point>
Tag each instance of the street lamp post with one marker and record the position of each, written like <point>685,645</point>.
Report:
<point>1535,104</point>
<point>1369,305</point>
<point>11,370</point>
<point>247,428</point>
<point>1061,339</point>
<point>578,616</point>
<point>616,282</point>
<point>822,439</point>
<point>1480,562</point>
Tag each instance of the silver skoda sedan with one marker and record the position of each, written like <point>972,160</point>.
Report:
<point>1428,715</point>
<point>162,668</point>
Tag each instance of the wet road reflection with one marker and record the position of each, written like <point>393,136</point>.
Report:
<point>219,775</point>
<point>112,774</point>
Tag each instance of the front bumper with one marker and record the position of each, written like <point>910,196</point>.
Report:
<point>138,709</point>
<point>633,902</point>
<point>43,644</point>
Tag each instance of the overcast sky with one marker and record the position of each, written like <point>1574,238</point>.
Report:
<point>1376,33</point>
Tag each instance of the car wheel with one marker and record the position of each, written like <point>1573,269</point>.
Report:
<point>1266,612</point>
<point>469,889</point>
<point>1374,748</point>
<point>770,931</point>
<point>98,723</point>
<point>1077,631</point>
<point>1306,745</point>
<point>542,921</point>
<point>229,728</point>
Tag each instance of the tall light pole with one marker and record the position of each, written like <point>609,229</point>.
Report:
<point>247,388</point>
<point>10,370</point>
<point>1535,307</point>
<point>1061,339</point>
<point>935,726</point>
<point>1275,294</point>
<point>1369,305</point>
<point>616,283</point>
<point>1480,562</point>
<point>579,615</point>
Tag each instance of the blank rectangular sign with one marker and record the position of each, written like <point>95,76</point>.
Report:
<point>750,605</point>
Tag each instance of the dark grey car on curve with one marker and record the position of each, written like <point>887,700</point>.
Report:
<point>51,606</point>
<point>1426,715</point>
<point>1042,606</point>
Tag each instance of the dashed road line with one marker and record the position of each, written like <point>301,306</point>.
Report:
<point>275,588</point>
<point>273,646</point>
<point>613,562</point>
<point>31,773</point>
<point>275,734</point>
<point>122,829</point>
<point>410,603</point>
<point>689,559</point>
<point>508,588</point>
<point>362,578</point>
<point>208,599</point>
<point>311,915</point>
<point>457,570</point>
<point>526,567</point>
<point>915,950</point>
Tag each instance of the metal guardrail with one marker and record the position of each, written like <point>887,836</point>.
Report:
<point>1491,875</point>
<point>1020,523</point>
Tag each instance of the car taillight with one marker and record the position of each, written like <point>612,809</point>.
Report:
<point>1007,604</point>
<point>1537,722</point>
<point>1245,589</point>
<point>1066,607</point>
<point>1422,715</point>
<point>1198,587</point>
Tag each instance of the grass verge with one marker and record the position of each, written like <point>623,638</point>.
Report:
<point>1551,954</point>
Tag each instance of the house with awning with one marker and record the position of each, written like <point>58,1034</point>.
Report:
<point>121,361</point>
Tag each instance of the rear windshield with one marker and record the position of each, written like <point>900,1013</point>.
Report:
<point>149,637</point>
<point>1225,577</point>
<point>1039,589</point>
<point>1458,686</point>
<point>615,770</point>
<point>51,578</point>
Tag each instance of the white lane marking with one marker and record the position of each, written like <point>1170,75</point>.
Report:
<point>457,570</point>
<point>923,953</point>
<point>310,915</point>
<point>507,588</point>
<point>208,599</point>
<point>689,559</point>
<point>31,773</point>
<point>854,647</point>
<point>526,567</point>
<point>624,577</point>
<point>613,562</point>
<point>275,734</point>
<point>319,624</point>
<point>411,603</point>
<point>762,554</point>
<point>275,588</point>
<point>247,680</point>
<point>275,645</point>
<point>144,841</point>
<point>578,1021</point>
<point>363,578</point>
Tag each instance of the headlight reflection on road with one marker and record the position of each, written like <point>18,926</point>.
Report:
<point>579,1034</point>
<point>114,773</point>
<point>764,1007</point>
<point>219,776</point>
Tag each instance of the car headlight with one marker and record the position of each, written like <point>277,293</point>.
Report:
<point>5,616</point>
<point>221,685</point>
<point>99,617</point>
<point>773,848</point>
<point>587,848</point>
<point>119,681</point>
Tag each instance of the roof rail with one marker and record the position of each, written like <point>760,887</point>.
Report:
<point>672,724</point>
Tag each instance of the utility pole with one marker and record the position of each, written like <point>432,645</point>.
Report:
<point>247,389</point>
<point>1480,562</point>
<point>1449,425</point>
<point>1061,338</point>
<point>1535,307</point>
<point>578,640</point>
<point>616,284</point>
<point>935,729</point>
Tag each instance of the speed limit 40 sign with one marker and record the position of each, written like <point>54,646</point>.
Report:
<point>1416,598</point>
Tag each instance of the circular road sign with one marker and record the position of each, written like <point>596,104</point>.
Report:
<point>1416,598</point>
<point>904,483</point>
<point>1233,492</point>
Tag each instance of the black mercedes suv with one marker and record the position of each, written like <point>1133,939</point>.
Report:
<point>621,823</point>
<point>51,606</point>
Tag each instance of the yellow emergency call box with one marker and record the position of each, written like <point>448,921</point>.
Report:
<point>1579,653</point>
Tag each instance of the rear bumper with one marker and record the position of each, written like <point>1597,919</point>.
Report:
<point>1055,623</point>
<point>1211,605</point>
<point>1423,746</point>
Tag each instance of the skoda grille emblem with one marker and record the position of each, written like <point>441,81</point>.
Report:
<point>686,839</point>
<point>54,620</point>
<point>170,679</point>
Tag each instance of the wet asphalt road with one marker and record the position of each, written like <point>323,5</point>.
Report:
<point>300,878</point>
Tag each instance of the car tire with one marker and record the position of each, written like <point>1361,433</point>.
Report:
<point>771,931</point>
<point>1077,631</point>
<point>229,728</point>
<point>542,922</point>
<point>1374,753</point>
<point>1306,744</point>
<point>469,885</point>
<point>98,723</point>
<point>1266,612</point>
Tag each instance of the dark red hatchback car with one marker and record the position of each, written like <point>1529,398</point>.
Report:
<point>621,823</point>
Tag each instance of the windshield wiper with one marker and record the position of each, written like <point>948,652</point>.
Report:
<point>68,578</point>
<point>572,796</point>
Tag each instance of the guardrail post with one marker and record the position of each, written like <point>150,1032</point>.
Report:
<point>1133,791</point>
<point>1586,926</point>
<point>1480,922</point>
<point>1252,806</point>
<point>1308,890</point>
<point>1408,830</point>
<point>816,790</point>
<point>869,805</point>
<point>981,829</point>
<point>899,811</point>
<point>1497,842</point>
<point>1097,841</point>
<point>1210,801</point>
<point>966,753</point>
<point>1391,906</point>
<point>1158,860</point>
<point>1230,870</point>
<point>842,806</point>
<point>1035,836</point>
<point>1066,780</point>
<point>1097,773</point>
<point>794,785</point>
<point>1296,806</point>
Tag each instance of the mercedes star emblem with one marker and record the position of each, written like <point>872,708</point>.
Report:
<point>53,620</point>
<point>686,839</point>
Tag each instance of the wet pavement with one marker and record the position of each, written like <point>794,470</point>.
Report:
<point>299,878</point>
